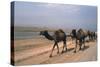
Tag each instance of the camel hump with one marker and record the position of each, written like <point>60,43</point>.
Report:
<point>59,31</point>
<point>83,32</point>
<point>80,30</point>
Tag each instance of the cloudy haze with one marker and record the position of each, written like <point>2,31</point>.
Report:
<point>55,15</point>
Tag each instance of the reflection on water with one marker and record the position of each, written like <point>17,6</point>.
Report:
<point>27,35</point>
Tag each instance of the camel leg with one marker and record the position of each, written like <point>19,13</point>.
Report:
<point>75,46</point>
<point>84,43</point>
<point>62,49</point>
<point>64,46</point>
<point>53,49</point>
<point>58,49</point>
<point>80,44</point>
<point>72,40</point>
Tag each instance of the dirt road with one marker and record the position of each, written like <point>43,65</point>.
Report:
<point>41,55</point>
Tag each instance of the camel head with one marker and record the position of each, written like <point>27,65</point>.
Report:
<point>80,30</point>
<point>43,32</point>
<point>73,33</point>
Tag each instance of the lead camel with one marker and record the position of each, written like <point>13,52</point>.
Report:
<point>58,36</point>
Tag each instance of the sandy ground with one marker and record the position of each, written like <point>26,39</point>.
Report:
<point>37,51</point>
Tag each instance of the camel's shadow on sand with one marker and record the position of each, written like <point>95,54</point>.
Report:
<point>86,47</point>
<point>71,49</point>
<point>68,50</point>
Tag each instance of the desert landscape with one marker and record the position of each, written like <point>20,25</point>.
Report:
<point>37,51</point>
<point>51,33</point>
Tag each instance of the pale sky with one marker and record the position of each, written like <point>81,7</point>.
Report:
<point>62,16</point>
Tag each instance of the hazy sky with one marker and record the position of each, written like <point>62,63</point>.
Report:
<point>55,15</point>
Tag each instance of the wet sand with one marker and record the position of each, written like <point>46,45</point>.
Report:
<point>37,51</point>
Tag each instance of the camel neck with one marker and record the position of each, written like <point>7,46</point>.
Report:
<point>49,37</point>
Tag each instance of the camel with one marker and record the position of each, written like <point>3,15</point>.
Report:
<point>58,36</point>
<point>92,35</point>
<point>79,35</point>
<point>73,35</point>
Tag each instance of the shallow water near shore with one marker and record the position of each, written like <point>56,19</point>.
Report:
<point>20,35</point>
<point>25,35</point>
